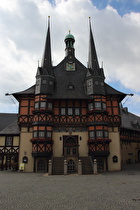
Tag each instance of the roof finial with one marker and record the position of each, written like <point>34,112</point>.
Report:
<point>102,64</point>
<point>69,31</point>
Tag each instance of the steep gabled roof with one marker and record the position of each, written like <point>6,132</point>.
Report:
<point>8,123</point>
<point>92,59</point>
<point>47,60</point>
<point>129,120</point>
<point>12,129</point>
<point>111,91</point>
<point>29,91</point>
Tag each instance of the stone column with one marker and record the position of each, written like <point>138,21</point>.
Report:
<point>95,167</point>
<point>50,167</point>
<point>79,167</point>
<point>65,167</point>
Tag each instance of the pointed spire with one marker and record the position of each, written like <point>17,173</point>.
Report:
<point>92,59</point>
<point>47,60</point>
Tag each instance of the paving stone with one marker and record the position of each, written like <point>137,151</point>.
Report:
<point>36,191</point>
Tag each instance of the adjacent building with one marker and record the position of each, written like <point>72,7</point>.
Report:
<point>9,141</point>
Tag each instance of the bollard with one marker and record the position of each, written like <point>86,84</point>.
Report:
<point>79,167</point>
<point>65,167</point>
<point>95,167</point>
<point>50,167</point>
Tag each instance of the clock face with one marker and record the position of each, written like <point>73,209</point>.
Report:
<point>70,66</point>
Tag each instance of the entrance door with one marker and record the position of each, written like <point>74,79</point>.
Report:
<point>41,166</point>
<point>70,145</point>
<point>71,166</point>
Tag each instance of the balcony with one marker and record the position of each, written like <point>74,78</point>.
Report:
<point>47,118</point>
<point>42,154</point>
<point>99,141</point>
<point>41,141</point>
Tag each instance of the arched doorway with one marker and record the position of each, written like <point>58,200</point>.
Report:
<point>41,166</point>
<point>71,166</point>
<point>70,145</point>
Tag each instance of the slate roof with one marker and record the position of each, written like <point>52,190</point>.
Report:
<point>9,124</point>
<point>129,120</point>
<point>111,91</point>
<point>65,93</point>
<point>29,91</point>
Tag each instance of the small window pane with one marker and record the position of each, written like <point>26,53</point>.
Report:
<point>74,151</point>
<point>42,104</point>
<point>35,134</point>
<point>68,151</point>
<point>70,111</point>
<point>49,105</point>
<point>90,106</point>
<point>36,105</point>
<point>9,140</point>
<point>106,134</point>
<point>99,134</point>
<point>41,134</point>
<point>49,134</point>
<point>92,134</point>
<point>77,111</point>
<point>97,105</point>
<point>63,111</point>
<point>104,106</point>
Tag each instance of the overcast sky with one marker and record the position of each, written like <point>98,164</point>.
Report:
<point>116,29</point>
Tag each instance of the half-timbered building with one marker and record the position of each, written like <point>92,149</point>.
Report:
<point>70,114</point>
<point>9,141</point>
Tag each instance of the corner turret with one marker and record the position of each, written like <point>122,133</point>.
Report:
<point>45,77</point>
<point>69,40</point>
<point>95,75</point>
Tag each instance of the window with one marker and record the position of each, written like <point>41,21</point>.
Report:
<point>36,105</point>
<point>92,134</point>
<point>77,111</point>
<point>35,134</point>
<point>97,105</point>
<point>90,106</point>
<point>63,111</point>
<point>43,105</point>
<point>106,134</point>
<point>49,134</point>
<point>49,105</point>
<point>68,151</point>
<point>9,141</point>
<point>41,134</point>
<point>104,106</point>
<point>70,111</point>
<point>74,151</point>
<point>99,134</point>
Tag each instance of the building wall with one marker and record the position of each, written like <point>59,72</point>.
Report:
<point>58,144</point>
<point>115,149</point>
<point>129,152</point>
<point>26,148</point>
<point>2,140</point>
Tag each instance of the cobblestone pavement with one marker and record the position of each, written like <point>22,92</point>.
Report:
<point>36,191</point>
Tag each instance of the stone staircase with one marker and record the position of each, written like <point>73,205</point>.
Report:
<point>86,165</point>
<point>58,165</point>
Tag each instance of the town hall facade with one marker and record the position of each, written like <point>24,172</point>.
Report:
<point>70,114</point>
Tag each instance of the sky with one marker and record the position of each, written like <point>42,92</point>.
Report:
<point>116,31</point>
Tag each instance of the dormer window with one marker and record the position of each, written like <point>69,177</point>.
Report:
<point>70,86</point>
